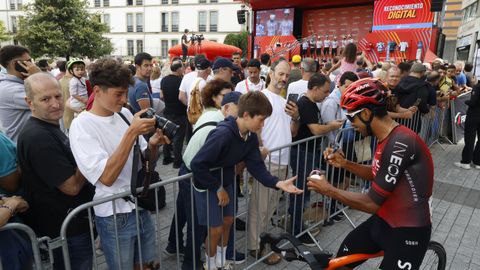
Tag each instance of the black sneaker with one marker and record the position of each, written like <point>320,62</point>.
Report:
<point>167,161</point>
<point>307,240</point>
<point>338,217</point>
<point>172,251</point>
<point>239,224</point>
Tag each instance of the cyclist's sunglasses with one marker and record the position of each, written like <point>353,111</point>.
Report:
<point>351,116</point>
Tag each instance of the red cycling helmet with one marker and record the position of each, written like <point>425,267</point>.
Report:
<point>363,92</point>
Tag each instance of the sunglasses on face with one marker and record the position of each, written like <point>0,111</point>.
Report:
<point>350,116</point>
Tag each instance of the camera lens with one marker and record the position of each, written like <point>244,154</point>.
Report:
<point>169,128</point>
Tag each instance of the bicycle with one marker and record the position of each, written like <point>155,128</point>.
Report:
<point>322,260</point>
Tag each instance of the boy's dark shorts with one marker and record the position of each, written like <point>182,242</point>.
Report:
<point>212,210</point>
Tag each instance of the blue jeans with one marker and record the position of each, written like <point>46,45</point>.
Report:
<point>80,251</point>
<point>126,225</point>
<point>307,161</point>
<point>15,250</point>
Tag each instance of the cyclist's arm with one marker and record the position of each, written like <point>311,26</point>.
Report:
<point>355,200</point>
<point>360,170</point>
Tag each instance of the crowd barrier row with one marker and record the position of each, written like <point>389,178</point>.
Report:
<point>262,209</point>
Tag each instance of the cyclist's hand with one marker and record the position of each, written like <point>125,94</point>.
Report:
<point>336,159</point>
<point>288,186</point>
<point>222,196</point>
<point>319,185</point>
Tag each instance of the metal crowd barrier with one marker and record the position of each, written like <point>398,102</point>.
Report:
<point>37,262</point>
<point>263,209</point>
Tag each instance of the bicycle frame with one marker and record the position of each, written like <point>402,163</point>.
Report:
<point>352,258</point>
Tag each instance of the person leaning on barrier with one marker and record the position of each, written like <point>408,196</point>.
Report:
<point>101,143</point>
<point>52,183</point>
<point>234,140</point>
<point>402,181</point>
<point>304,156</point>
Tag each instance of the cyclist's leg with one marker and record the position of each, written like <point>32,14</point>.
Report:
<point>405,248</point>
<point>360,240</point>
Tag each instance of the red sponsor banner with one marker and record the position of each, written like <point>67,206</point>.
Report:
<point>276,46</point>
<point>397,12</point>
<point>356,21</point>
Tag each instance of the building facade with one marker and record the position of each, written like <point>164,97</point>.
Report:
<point>152,26</point>
<point>452,18</point>
<point>468,39</point>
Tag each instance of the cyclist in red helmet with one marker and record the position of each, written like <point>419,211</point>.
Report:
<point>402,180</point>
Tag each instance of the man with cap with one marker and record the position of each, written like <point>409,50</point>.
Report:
<point>296,72</point>
<point>200,76</point>
<point>286,25</point>
<point>411,88</point>
<point>223,69</point>
<point>206,123</point>
<point>253,82</point>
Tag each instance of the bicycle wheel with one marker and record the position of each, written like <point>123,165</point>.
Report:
<point>435,258</point>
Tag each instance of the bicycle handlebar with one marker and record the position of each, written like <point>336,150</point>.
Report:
<point>316,260</point>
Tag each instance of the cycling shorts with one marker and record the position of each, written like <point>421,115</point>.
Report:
<point>404,247</point>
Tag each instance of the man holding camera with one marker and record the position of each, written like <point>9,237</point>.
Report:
<point>14,111</point>
<point>102,143</point>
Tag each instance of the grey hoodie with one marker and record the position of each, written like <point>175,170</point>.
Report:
<point>14,111</point>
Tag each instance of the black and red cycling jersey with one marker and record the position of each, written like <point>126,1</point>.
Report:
<point>403,179</point>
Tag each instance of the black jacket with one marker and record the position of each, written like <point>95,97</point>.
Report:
<point>474,102</point>
<point>409,90</point>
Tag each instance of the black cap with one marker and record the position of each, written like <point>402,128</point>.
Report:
<point>222,62</point>
<point>231,97</point>
<point>202,64</point>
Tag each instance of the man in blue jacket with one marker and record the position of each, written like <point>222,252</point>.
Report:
<point>233,141</point>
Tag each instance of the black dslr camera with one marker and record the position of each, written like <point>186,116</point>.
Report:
<point>197,38</point>
<point>168,128</point>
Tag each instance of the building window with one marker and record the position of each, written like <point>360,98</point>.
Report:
<point>213,1</point>
<point>139,46</point>
<point>129,22</point>
<point>202,1</point>
<point>12,4</point>
<point>213,21</point>
<point>14,24</point>
<point>19,4</point>
<point>164,22</point>
<point>96,3</point>
<point>139,22</point>
<point>139,2</point>
<point>164,2</point>
<point>175,21</point>
<point>164,48</point>
<point>129,2</point>
<point>174,2</point>
<point>130,47</point>
<point>106,3</point>
<point>106,20</point>
<point>174,42</point>
<point>202,21</point>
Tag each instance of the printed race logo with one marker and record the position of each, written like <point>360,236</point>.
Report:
<point>404,265</point>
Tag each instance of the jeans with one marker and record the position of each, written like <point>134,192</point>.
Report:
<point>177,141</point>
<point>307,161</point>
<point>15,250</point>
<point>80,251</point>
<point>128,240</point>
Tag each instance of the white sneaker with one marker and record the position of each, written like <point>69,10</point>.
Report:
<point>463,165</point>
<point>477,167</point>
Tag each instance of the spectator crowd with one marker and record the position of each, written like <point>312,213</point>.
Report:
<point>70,134</point>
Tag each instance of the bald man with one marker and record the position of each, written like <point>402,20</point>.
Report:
<point>52,183</point>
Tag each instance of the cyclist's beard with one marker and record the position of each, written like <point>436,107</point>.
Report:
<point>368,125</point>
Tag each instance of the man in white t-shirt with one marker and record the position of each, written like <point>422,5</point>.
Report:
<point>101,141</point>
<point>201,75</point>
<point>253,82</point>
<point>326,46</point>
<point>275,133</point>
<point>299,87</point>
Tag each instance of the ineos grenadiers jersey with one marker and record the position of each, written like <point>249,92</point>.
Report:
<point>403,179</point>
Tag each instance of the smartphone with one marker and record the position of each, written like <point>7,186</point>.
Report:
<point>417,102</point>
<point>292,97</point>
<point>19,68</point>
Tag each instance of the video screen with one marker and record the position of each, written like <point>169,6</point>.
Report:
<point>275,22</point>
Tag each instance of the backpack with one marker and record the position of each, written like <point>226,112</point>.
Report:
<point>195,107</point>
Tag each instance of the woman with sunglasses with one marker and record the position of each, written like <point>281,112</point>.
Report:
<point>402,180</point>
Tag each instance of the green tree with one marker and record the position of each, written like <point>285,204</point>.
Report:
<point>63,28</point>
<point>3,32</point>
<point>239,40</point>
